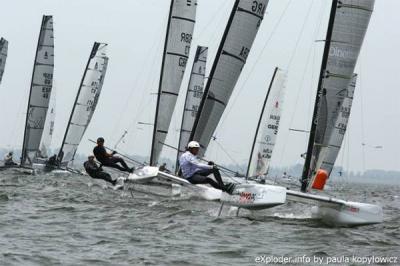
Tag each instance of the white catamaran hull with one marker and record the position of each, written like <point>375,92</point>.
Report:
<point>253,196</point>
<point>348,214</point>
<point>148,174</point>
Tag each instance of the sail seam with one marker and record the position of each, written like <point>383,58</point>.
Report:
<point>234,56</point>
<point>182,18</point>
<point>249,12</point>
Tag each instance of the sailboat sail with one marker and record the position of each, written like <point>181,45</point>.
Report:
<point>347,27</point>
<point>3,56</point>
<point>193,97</point>
<point>85,102</point>
<point>40,92</point>
<point>327,159</point>
<point>270,117</point>
<point>44,150</point>
<point>176,51</point>
<point>239,35</point>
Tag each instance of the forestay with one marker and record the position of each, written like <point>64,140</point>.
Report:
<point>3,56</point>
<point>47,137</point>
<point>268,126</point>
<point>327,159</point>
<point>40,91</point>
<point>176,51</point>
<point>193,97</point>
<point>85,102</point>
<point>239,35</point>
<point>347,27</point>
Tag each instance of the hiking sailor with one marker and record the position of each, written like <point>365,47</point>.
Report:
<point>108,159</point>
<point>196,172</point>
<point>96,171</point>
<point>8,159</point>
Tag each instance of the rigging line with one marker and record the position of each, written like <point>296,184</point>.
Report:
<point>214,17</point>
<point>299,36</point>
<point>227,154</point>
<point>362,114</point>
<point>137,78</point>
<point>139,110</point>
<point>301,84</point>
<point>240,90</point>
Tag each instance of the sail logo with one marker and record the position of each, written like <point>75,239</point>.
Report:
<point>248,197</point>
<point>342,53</point>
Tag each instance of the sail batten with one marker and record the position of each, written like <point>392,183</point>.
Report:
<point>347,27</point>
<point>181,21</point>
<point>237,40</point>
<point>85,102</point>
<point>39,93</point>
<point>193,98</point>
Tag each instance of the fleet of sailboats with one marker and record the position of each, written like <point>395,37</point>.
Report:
<point>207,98</point>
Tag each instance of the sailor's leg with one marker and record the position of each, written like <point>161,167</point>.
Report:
<point>105,176</point>
<point>200,179</point>
<point>122,162</point>
<point>217,176</point>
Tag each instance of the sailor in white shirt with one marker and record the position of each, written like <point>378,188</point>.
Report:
<point>196,172</point>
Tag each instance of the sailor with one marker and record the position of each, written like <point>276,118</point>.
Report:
<point>163,168</point>
<point>8,159</point>
<point>96,171</point>
<point>197,173</point>
<point>52,161</point>
<point>108,159</point>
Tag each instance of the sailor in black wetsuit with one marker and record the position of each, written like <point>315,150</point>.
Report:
<point>96,171</point>
<point>108,159</point>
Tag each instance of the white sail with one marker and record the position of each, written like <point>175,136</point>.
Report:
<point>44,151</point>
<point>239,35</point>
<point>267,129</point>
<point>3,56</point>
<point>193,97</point>
<point>40,92</point>
<point>346,31</point>
<point>176,51</point>
<point>85,102</point>
<point>327,159</point>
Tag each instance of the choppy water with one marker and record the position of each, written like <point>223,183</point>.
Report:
<point>49,220</point>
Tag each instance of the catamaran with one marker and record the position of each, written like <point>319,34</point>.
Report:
<point>193,98</point>
<point>3,56</point>
<point>181,21</point>
<point>39,95</point>
<point>264,140</point>
<point>84,107</point>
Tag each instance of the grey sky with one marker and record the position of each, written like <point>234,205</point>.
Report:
<point>135,32</point>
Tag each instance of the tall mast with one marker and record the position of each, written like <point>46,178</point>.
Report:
<point>307,163</point>
<point>259,122</point>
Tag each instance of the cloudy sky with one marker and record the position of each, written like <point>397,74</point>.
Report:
<point>135,32</point>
